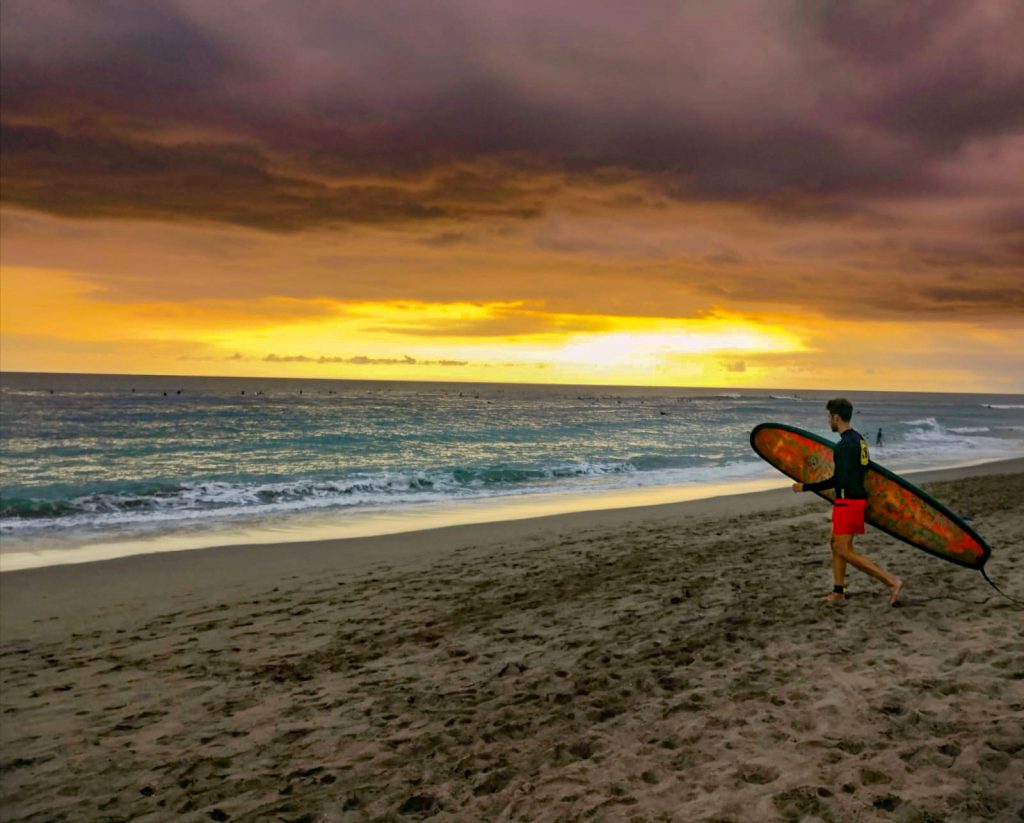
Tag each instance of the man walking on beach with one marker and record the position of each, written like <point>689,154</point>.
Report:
<point>851,499</point>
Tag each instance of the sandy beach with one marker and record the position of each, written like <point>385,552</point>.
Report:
<point>664,663</point>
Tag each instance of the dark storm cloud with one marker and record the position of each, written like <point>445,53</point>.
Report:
<point>83,176</point>
<point>274,115</point>
<point>951,68</point>
<point>103,176</point>
<point>964,302</point>
<point>881,293</point>
<point>136,66</point>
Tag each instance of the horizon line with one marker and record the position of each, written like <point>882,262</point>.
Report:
<point>5,372</point>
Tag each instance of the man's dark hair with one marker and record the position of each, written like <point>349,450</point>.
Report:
<point>842,407</point>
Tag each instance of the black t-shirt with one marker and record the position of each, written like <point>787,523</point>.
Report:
<point>851,459</point>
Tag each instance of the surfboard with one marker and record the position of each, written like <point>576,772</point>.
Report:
<point>895,506</point>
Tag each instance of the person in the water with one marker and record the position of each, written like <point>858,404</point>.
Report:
<point>851,499</point>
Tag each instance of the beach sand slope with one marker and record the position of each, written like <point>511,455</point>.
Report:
<point>671,667</point>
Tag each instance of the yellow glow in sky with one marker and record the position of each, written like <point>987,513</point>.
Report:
<point>85,330</point>
<point>622,348</point>
<point>57,321</point>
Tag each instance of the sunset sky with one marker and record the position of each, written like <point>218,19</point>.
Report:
<point>785,194</point>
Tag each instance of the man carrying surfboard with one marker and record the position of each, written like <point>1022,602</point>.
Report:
<point>851,461</point>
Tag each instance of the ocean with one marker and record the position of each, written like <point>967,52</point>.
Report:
<point>98,466</point>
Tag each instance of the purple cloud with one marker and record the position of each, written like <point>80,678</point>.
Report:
<point>264,114</point>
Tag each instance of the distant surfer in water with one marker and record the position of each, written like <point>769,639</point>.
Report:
<point>851,499</point>
<point>878,439</point>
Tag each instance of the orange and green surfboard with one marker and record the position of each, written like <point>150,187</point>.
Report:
<point>895,506</point>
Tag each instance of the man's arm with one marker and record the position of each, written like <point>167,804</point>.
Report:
<point>820,486</point>
<point>841,458</point>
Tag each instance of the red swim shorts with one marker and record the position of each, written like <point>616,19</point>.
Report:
<point>848,516</point>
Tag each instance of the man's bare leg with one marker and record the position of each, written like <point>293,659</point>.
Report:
<point>842,544</point>
<point>838,574</point>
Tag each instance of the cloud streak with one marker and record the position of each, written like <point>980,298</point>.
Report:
<point>361,360</point>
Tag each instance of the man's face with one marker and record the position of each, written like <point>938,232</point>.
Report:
<point>833,422</point>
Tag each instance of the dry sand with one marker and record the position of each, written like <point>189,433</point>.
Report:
<point>667,663</point>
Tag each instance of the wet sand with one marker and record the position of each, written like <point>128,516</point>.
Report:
<point>663,663</point>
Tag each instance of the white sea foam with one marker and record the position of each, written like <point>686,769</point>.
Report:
<point>930,422</point>
<point>199,502</point>
<point>928,443</point>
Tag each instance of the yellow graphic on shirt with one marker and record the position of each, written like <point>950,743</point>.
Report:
<point>865,458</point>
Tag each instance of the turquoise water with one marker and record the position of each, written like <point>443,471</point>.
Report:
<point>126,454</point>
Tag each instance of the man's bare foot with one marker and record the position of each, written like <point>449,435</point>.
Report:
<point>833,597</point>
<point>894,592</point>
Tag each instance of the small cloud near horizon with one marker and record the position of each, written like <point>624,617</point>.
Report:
<point>362,360</point>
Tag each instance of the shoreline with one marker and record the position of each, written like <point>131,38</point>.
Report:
<point>328,525</point>
<point>57,593</point>
<point>341,524</point>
